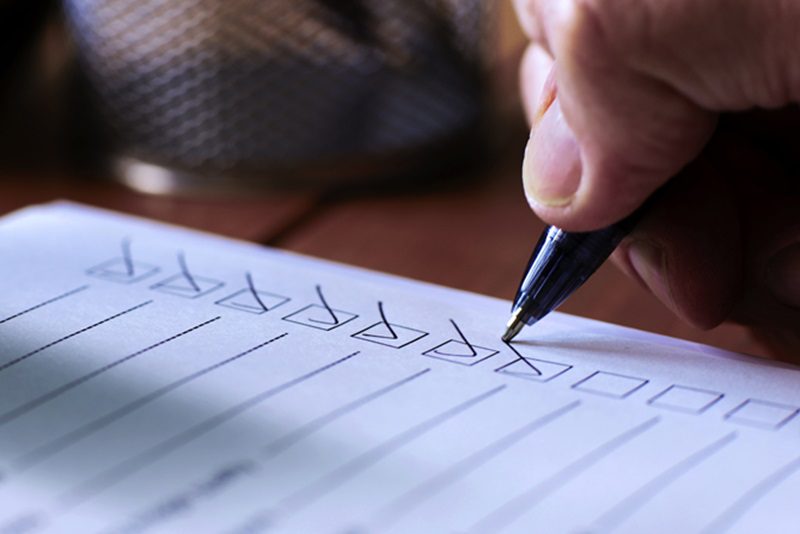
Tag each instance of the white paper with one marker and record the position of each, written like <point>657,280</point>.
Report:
<point>145,388</point>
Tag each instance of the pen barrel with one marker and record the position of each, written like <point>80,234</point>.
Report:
<point>561,263</point>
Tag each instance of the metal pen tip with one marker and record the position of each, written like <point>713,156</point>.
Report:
<point>513,328</point>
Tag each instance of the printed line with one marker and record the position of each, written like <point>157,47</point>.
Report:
<point>406,502</point>
<point>286,441</point>
<point>57,445</point>
<point>226,476</point>
<point>185,272</point>
<point>627,506</point>
<point>325,304</point>
<point>126,468</point>
<point>24,357</point>
<point>252,287</point>
<point>10,415</point>
<point>340,475</point>
<point>45,303</point>
<point>504,515</point>
<point>733,513</point>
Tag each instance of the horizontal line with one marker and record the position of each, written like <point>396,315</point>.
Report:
<point>520,504</point>
<point>24,357</point>
<point>409,500</point>
<point>55,446</point>
<point>45,303</point>
<point>10,415</point>
<point>122,470</point>
<point>338,476</point>
<point>283,443</point>
<point>634,501</point>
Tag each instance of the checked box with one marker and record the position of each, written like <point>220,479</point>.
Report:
<point>122,271</point>
<point>459,352</point>
<point>534,369</point>
<point>320,317</point>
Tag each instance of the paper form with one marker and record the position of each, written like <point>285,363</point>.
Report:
<point>155,379</point>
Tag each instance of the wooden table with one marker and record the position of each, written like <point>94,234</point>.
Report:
<point>474,233</point>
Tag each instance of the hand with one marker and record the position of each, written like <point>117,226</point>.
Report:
<point>627,95</point>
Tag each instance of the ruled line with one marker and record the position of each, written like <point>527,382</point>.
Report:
<point>11,415</point>
<point>627,506</point>
<point>286,441</point>
<point>522,503</point>
<point>124,469</point>
<point>406,502</point>
<point>57,445</point>
<point>45,303</point>
<point>733,513</point>
<point>270,451</point>
<point>24,357</point>
<point>340,475</point>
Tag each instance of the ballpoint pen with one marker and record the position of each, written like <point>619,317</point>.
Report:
<point>560,264</point>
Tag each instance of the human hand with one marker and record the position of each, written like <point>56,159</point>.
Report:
<point>627,95</point>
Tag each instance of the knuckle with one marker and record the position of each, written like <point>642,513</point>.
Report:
<point>591,29</point>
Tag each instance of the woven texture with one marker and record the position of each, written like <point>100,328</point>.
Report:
<point>221,85</point>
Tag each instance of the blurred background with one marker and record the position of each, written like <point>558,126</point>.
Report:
<point>381,133</point>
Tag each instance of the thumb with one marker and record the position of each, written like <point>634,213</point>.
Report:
<point>639,86</point>
<point>595,156</point>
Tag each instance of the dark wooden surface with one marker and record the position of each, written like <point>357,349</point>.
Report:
<point>474,233</point>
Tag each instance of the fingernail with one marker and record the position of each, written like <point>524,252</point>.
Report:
<point>551,170</point>
<point>648,261</point>
<point>783,275</point>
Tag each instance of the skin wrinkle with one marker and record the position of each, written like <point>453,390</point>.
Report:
<point>645,85</point>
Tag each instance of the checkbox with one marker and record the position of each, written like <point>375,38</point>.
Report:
<point>534,369</point>
<point>390,335</point>
<point>610,384</point>
<point>320,317</point>
<point>762,414</point>
<point>257,302</point>
<point>190,288</point>
<point>122,271</point>
<point>686,399</point>
<point>456,351</point>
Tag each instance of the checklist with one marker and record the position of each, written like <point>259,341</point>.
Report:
<point>156,379</point>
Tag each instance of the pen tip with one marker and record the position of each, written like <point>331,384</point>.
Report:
<point>514,327</point>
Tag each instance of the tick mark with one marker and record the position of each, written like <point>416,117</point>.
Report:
<point>324,302</point>
<point>251,286</point>
<point>185,272</point>
<point>392,333</point>
<point>521,358</point>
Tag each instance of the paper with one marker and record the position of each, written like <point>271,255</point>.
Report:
<point>155,379</point>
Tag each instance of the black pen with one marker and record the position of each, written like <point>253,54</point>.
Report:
<point>560,264</point>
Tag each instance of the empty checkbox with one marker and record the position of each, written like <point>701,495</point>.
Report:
<point>685,399</point>
<point>187,287</point>
<point>534,369</point>
<point>320,317</point>
<point>762,414</point>
<point>610,384</point>
<point>390,335</point>
<point>456,351</point>
<point>122,271</point>
<point>250,301</point>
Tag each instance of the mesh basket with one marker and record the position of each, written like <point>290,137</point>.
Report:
<point>279,88</point>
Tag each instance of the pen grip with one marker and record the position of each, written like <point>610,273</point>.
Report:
<point>562,262</point>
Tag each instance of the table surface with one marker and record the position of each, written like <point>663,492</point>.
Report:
<point>473,233</point>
